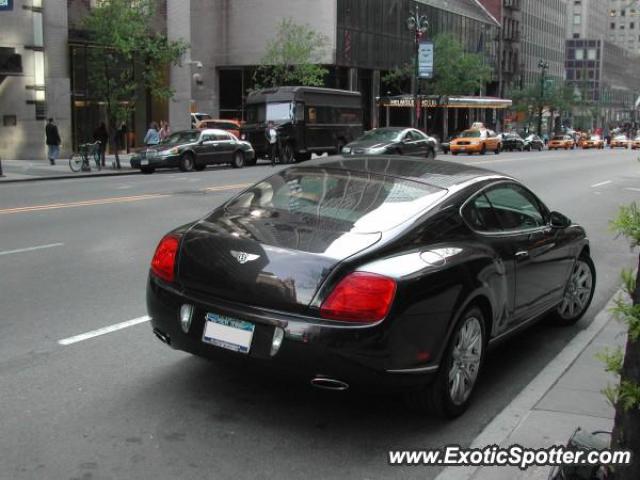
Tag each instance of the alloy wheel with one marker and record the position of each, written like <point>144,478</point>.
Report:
<point>465,360</point>
<point>578,291</point>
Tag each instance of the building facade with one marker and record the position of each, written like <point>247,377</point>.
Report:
<point>509,15</point>
<point>544,24</point>
<point>623,24</point>
<point>605,76</point>
<point>35,83</point>
<point>43,58</point>
<point>587,19</point>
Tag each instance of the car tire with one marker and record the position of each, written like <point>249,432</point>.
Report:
<point>454,153</point>
<point>484,149</point>
<point>187,162</point>
<point>238,160</point>
<point>450,397</point>
<point>147,170</point>
<point>431,154</point>
<point>498,150</point>
<point>579,290</point>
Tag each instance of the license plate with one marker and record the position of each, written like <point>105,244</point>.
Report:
<point>144,162</point>
<point>229,333</point>
<point>463,148</point>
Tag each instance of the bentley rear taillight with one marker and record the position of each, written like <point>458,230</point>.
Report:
<point>164,260</point>
<point>360,297</point>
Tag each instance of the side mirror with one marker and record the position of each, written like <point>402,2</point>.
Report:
<point>558,220</point>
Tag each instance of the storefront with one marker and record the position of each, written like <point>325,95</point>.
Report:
<point>441,116</point>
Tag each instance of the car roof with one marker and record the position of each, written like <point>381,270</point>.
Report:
<point>433,172</point>
<point>227,120</point>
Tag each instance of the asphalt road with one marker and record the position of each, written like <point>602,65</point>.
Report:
<point>74,256</point>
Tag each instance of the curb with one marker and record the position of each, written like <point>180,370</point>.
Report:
<point>517,411</point>
<point>68,177</point>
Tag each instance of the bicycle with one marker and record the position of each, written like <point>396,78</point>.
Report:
<point>81,160</point>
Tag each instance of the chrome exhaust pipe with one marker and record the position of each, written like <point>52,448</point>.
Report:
<point>161,336</point>
<point>326,383</point>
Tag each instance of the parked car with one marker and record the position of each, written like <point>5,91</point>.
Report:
<point>512,141</point>
<point>635,143</point>
<point>476,140</point>
<point>194,150</point>
<point>594,141</point>
<point>231,126</point>
<point>393,140</point>
<point>619,141</point>
<point>375,271</point>
<point>565,142</point>
<point>198,117</point>
<point>533,142</point>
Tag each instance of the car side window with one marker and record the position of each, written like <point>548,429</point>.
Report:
<point>515,208</point>
<point>480,216</point>
<point>207,137</point>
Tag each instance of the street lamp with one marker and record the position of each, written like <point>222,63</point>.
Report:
<point>419,25</point>
<point>544,66</point>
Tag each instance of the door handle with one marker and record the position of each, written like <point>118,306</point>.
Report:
<point>522,254</point>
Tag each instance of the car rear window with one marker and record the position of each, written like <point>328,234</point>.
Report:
<point>343,200</point>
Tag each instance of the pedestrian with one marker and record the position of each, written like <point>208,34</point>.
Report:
<point>101,135</point>
<point>271,134</point>
<point>153,136</point>
<point>53,141</point>
<point>165,130</point>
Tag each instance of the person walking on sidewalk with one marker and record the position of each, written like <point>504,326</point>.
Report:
<point>101,135</point>
<point>53,141</point>
<point>271,133</point>
<point>153,136</point>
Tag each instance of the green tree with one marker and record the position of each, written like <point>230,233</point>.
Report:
<point>558,97</point>
<point>626,395</point>
<point>293,57</point>
<point>127,57</point>
<point>456,72</point>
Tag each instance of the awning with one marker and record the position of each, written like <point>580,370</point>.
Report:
<point>435,101</point>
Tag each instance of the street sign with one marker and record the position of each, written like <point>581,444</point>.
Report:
<point>6,5</point>
<point>425,59</point>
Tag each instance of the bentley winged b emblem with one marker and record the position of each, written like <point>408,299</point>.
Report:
<point>244,257</point>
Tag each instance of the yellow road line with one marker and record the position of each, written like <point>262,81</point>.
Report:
<point>108,201</point>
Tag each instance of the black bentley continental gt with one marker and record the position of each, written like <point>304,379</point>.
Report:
<point>393,141</point>
<point>385,271</point>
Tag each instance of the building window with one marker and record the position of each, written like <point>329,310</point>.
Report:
<point>577,19</point>
<point>632,25</point>
<point>591,54</point>
<point>613,25</point>
<point>579,54</point>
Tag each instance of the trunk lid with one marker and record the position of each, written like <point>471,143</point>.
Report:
<point>270,262</point>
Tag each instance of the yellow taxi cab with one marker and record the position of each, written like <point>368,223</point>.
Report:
<point>619,141</point>
<point>635,143</point>
<point>562,141</point>
<point>594,141</point>
<point>477,139</point>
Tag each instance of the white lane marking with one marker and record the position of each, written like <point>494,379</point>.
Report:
<point>103,331</point>
<point>506,422</point>
<point>31,249</point>
<point>633,189</point>
<point>607,182</point>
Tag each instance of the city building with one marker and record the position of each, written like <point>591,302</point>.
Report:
<point>544,24</point>
<point>362,43</point>
<point>623,23</point>
<point>605,76</point>
<point>34,76</point>
<point>509,15</point>
<point>44,73</point>
<point>587,19</point>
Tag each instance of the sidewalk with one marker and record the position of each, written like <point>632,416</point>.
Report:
<point>566,395</point>
<point>29,170</point>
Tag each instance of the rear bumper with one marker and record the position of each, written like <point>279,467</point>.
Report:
<point>156,162</point>
<point>475,148</point>
<point>357,356</point>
